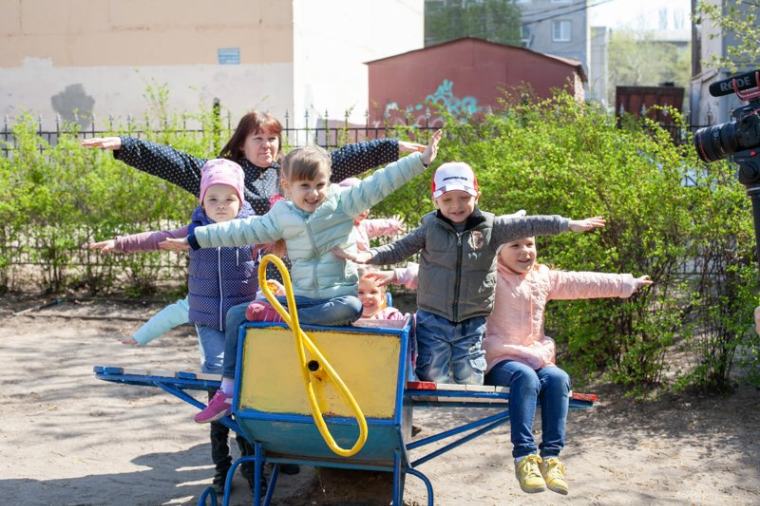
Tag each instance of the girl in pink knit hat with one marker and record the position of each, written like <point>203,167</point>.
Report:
<point>520,356</point>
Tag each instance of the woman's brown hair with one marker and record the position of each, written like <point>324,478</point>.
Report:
<point>253,122</point>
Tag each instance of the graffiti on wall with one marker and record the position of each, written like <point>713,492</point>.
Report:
<point>424,113</point>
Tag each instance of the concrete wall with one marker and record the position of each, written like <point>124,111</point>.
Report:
<point>98,56</point>
<point>333,40</point>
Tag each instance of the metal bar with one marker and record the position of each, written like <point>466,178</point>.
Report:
<point>458,442</point>
<point>500,417</point>
<point>226,421</point>
<point>426,481</point>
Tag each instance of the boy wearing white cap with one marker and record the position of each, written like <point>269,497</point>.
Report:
<point>457,273</point>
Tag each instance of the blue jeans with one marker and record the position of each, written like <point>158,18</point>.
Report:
<point>211,343</point>
<point>336,311</point>
<point>549,386</point>
<point>450,352</point>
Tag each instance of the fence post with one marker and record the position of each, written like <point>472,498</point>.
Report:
<point>216,125</point>
<point>287,129</point>
<point>306,119</point>
<point>327,133</point>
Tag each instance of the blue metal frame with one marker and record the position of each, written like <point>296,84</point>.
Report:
<point>405,398</point>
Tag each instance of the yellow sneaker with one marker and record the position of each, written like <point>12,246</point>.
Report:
<point>553,472</point>
<point>529,474</point>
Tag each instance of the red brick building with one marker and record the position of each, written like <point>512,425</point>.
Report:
<point>465,76</point>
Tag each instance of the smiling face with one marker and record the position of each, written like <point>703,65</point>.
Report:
<point>456,205</point>
<point>519,256</point>
<point>308,194</point>
<point>221,202</point>
<point>371,296</point>
<point>261,147</point>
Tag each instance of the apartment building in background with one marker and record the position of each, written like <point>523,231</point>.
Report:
<point>85,58</point>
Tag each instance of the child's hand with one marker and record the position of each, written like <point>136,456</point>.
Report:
<point>112,143</point>
<point>587,224</point>
<point>174,244</point>
<point>410,147</point>
<point>106,246</point>
<point>361,257</point>
<point>276,287</point>
<point>642,281</point>
<point>381,278</point>
<point>397,223</point>
<point>432,148</point>
<point>129,340</point>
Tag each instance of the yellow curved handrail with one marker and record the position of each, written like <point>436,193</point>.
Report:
<point>316,370</point>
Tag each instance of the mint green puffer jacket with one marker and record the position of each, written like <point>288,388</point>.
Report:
<point>316,272</point>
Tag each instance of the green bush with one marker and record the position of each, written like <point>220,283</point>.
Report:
<point>561,157</point>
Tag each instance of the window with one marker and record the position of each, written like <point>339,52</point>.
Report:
<point>525,31</point>
<point>561,30</point>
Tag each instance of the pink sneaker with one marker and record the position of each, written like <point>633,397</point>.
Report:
<point>262,312</point>
<point>218,407</point>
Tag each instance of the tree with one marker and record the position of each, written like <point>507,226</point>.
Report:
<point>635,59</point>
<point>737,20</point>
<point>493,20</point>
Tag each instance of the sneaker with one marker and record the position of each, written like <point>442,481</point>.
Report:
<point>218,407</point>
<point>553,472</point>
<point>529,474</point>
<point>262,312</point>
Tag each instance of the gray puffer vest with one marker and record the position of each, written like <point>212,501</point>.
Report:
<point>457,273</point>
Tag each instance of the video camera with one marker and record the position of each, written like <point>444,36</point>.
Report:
<point>738,138</point>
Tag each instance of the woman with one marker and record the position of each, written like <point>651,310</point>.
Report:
<point>255,146</point>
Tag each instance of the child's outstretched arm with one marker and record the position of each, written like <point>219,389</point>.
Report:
<point>757,319</point>
<point>587,224</point>
<point>379,227</point>
<point>390,253</point>
<point>385,181</point>
<point>135,243</point>
<point>569,285</point>
<point>512,227</point>
<point>239,232</point>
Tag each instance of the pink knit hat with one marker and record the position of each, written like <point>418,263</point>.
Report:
<point>222,171</point>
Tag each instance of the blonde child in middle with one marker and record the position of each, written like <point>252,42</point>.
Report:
<point>317,218</point>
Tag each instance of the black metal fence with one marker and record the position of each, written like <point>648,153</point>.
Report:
<point>320,130</point>
<point>32,247</point>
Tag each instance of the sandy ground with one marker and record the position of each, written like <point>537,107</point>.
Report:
<point>69,439</point>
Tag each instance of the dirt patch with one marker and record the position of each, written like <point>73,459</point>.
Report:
<point>70,439</point>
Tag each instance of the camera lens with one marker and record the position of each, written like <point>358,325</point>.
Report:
<point>716,141</point>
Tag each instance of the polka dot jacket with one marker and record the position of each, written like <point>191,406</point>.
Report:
<point>261,184</point>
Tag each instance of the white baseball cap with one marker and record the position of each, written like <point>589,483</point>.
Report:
<point>454,176</point>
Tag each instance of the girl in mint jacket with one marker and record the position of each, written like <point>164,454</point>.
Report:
<point>316,218</point>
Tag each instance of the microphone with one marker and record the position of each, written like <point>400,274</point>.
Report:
<point>726,87</point>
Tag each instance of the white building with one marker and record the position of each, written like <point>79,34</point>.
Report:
<point>98,57</point>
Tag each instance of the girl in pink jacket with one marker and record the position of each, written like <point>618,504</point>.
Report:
<point>520,356</point>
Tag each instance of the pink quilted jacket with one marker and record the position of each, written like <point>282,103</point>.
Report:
<point>515,328</point>
<point>379,227</point>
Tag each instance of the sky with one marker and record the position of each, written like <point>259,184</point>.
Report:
<point>640,14</point>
